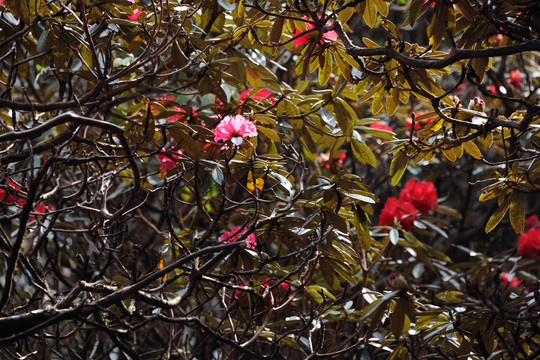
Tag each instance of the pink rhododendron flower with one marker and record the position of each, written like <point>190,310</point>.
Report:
<point>380,126</point>
<point>515,79</point>
<point>324,159</point>
<point>532,221</point>
<point>135,15</point>
<point>234,128</point>
<point>529,243</point>
<point>228,237</point>
<point>422,194</point>
<point>396,210</point>
<point>330,35</point>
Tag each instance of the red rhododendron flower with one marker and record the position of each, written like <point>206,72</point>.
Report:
<point>380,126</point>
<point>234,128</point>
<point>515,79</point>
<point>40,209</point>
<point>330,35</point>
<point>492,89</point>
<point>514,282</point>
<point>532,221</point>
<point>422,194</point>
<point>7,193</point>
<point>325,159</point>
<point>258,96</point>
<point>270,299</point>
<point>529,243</point>
<point>396,210</point>
<point>417,123</point>
<point>135,15</point>
<point>232,236</point>
<point>167,163</point>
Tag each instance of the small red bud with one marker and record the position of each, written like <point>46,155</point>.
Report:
<point>396,281</point>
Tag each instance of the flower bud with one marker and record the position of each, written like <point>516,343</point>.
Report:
<point>396,281</point>
<point>477,104</point>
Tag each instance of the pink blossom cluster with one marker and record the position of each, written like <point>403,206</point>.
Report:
<point>234,128</point>
<point>232,236</point>
<point>416,197</point>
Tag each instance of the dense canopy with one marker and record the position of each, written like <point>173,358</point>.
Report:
<point>353,179</point>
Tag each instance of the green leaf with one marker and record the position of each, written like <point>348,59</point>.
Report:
<point>325,69</point>
<point>277,30</point>
<point>370,13</point>
<point>362,229</point>
<point>517,213</point>
<point>394,236</point>
<point>498,215</point>
<point>363,153</point>
<point>398,166</point>
<point>269,133</point>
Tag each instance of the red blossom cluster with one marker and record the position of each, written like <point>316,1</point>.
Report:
<point>324,159</point>
<point>269,300</point>
<point>515,282</point>
<point>529,242</point>
<point>515,79</point>
<point>418,124</point>
<point>380,126</point>
<point>422,194</point>
<point>416,197</point>
<point>232,236</point>
<point>8,196</point>
<point>260,95</point>
<point>167,163</point>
